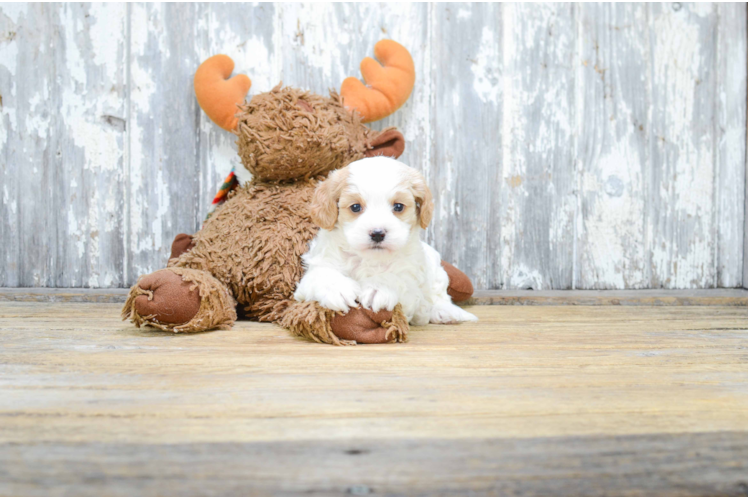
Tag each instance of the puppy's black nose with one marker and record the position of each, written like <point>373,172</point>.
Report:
<point>377,236</point>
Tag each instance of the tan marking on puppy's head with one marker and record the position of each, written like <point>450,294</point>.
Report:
<point>415,183</point>
<point>409,213</point>
<point>348,198</point>
<point>324,206</point>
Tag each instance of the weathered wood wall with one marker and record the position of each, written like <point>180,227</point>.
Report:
<point>568,145</point>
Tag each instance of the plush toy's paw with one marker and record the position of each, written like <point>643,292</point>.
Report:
<point>168,299</point>
<point>336,293</point>
<point>180,300</point>
<point>309,320</point>
<point>378,298</point>
<point>460,287</point>
<point>364,326</point>
<point>445,312</point>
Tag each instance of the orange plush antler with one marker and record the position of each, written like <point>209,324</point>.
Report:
<point>218,96</point>
<point>387,88</point>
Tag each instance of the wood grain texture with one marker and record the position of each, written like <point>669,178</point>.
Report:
<point>164,176</point>
<point>62,143</point>
<point>723,297</point>
<point>465,77</point>
<point>97,295</point>
<point>530,400</point>
<point>682,206</point>
<point>644,465</point>
<point>656,297</point>
<point>592,146</point>
<point>537,200</point>
<point>612,154</point>
<point>730,191</point>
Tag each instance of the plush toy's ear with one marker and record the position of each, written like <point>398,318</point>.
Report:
<point>389,143</point>
<point>424,200</point>
<point>387,87</point>
<point>324,206</point>
<point>218,96</point>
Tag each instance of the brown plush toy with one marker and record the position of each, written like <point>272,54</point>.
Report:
<point>249,250</point>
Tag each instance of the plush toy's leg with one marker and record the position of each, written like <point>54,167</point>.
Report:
<point>311,321</point>
<point>460,288</point>
<point>182,243</point>
<point>180,300</point>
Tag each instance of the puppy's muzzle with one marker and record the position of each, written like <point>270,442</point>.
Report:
<point>377,235</point>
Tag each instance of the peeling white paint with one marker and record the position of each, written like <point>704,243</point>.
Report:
<point>614,222</point>
<point>9,15</point>
<point>251,57</point>
<point>486,74</point>
<point>14,11</point>
<point>611,149</point>
<point>523,277</point>
<point>8,47</point>
<point>107,20</point>
<point>684,257</point>
<point>315,45</point>
<point>74,63</point>
<point>144,219</point>
<point>552,183</point>
<point>12,205</point>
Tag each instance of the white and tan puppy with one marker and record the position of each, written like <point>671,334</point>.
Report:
<point>369,249</point>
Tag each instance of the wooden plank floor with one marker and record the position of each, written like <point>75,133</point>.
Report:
<point>529,401</point>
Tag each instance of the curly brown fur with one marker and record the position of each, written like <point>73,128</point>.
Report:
<point>253,244</point>
<point>310,321</point>
<point>280,140</point>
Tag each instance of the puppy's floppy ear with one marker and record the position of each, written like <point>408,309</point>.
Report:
<point>324,207</point>
<point>424,200</point>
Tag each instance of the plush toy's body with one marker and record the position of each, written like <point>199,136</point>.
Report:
<point>249,250</point>
<point>253,243</point>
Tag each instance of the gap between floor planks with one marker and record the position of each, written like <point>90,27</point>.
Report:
<point>695,297</point>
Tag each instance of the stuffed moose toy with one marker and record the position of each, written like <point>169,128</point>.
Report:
<point>249,250</point>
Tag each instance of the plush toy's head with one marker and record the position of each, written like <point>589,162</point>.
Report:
<point>289,134</point>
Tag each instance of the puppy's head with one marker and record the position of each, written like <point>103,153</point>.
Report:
<point>378,203</point>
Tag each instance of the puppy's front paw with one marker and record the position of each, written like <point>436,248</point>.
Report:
<point>341,297</point>
<point>445,312</point>
<point>378,298</point>
<point>335,293</point>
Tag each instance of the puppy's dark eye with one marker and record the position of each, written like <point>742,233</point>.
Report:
<point>398,207</point>
<point>355,207</point>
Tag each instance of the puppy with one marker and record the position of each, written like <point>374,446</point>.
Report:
<point>369,249</point>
